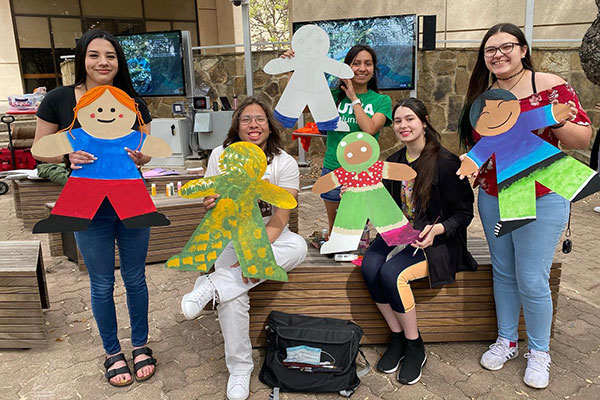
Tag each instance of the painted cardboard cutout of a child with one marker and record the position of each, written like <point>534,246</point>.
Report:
<point>307,85</point>
<point>366,197</point>
<point>106,115</point>
<point>523,158</point>
<point>236,216</point>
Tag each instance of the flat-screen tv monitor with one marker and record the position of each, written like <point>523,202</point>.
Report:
<point>156,62</point>
<point>392,37</point>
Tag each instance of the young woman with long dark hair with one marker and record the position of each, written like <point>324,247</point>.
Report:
<point>99,60</point>
<point>522,259</point>
<point>439,204</point>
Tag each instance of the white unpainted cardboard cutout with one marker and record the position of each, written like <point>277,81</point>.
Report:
<point>307,85</point>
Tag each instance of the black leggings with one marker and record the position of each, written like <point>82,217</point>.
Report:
<point>389,282</point>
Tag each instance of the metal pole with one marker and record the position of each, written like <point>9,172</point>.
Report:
<point>247,47</point>
<point>529,22</point>
<point>301,153</point>
<point>413,92</point>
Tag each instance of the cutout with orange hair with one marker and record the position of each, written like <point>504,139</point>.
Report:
<point>106,115</point>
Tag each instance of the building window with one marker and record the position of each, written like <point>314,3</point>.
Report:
<point>47,30</point>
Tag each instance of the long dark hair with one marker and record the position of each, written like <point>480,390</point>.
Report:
<point>350,56</point>
<point>122,79</point>
<point>274,142</point>
<point>480,77</point>
<point>426,164</point>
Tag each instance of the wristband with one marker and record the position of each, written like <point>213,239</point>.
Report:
<point>557,126</point>
<point>355,102</point>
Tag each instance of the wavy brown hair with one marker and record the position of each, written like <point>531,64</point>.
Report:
<point>274,142</point>
<point>426,164</point>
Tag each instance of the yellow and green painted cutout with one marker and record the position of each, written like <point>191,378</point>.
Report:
<point>236,216</point>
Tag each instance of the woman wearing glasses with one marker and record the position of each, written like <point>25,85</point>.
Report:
<point>252,122</point>
<point>521,260</point>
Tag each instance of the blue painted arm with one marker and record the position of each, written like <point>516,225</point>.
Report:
<point>535,119</point>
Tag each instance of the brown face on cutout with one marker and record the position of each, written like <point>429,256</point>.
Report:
<point>357,152</point>
<point>497,117</point>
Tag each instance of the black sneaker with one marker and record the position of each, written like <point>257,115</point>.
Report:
<point>390,360</point>
<point>415,358</point>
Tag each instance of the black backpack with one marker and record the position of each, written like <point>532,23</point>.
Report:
<point>339,343</point>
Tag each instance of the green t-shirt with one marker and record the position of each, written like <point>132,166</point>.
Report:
<point>372,103</point>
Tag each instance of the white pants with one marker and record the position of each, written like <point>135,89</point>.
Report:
<point>234,303</point>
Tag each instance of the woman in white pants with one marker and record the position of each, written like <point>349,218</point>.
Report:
<point>252,122</point>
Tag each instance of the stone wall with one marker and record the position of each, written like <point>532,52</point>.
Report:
<point>442,84</point>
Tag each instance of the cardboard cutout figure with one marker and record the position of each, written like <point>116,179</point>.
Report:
<point>308,86</point>
<point>106,115</point>
<point>366,197</point>
<point>236,216</point>
<point>522,158</point>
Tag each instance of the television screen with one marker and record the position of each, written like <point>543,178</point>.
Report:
<point>155,62</point>
<point>392,37</point>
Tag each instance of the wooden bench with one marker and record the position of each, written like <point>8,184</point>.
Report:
<point>462,311</point>
<point>30,196</point>
<point>23,295</point>
<point>185,215</point>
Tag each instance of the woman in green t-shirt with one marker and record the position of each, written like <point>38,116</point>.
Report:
<point>361,106</point>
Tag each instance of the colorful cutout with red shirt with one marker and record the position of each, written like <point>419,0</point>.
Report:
<point>366,197</point>
<point>106,115</point>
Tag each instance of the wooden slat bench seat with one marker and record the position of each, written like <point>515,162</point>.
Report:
<point>30,196</point>
<point>185,215</point>
<point>462,311</point>
<point>23,295</point>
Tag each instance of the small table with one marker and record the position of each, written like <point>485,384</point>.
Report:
<point>23,295</point>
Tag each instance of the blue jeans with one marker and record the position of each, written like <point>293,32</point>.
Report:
<point>521,262</point>
<point>97,245</point>
<point>333,195</point>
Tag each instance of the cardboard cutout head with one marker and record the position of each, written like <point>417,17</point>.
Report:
<point>310,40</point>
<point>242,159</point>
<point>107,112</point>
<point>106,117</point>
<point>494,112</point>
<point>357,151</point>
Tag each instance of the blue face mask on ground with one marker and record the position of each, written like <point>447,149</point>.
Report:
<point>303,355</point>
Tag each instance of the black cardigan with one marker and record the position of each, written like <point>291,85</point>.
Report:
<point>452,200</point>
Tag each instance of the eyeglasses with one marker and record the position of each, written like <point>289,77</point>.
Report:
<point>504,48</point>
<point>246,119</point>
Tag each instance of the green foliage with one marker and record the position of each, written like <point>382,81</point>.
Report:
<point>269,21</point>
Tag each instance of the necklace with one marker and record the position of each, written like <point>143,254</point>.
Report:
<point>512,76</point>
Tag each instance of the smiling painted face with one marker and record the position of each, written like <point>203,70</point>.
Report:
<point>106,118</point>
<point>497,117</point>
<point>357,151</point>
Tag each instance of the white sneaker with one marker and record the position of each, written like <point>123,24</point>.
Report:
<point>597,209</point>
<point>499,353</point>
<point>238,387</point>
<point>537,373</point>
<point>194,302</point>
